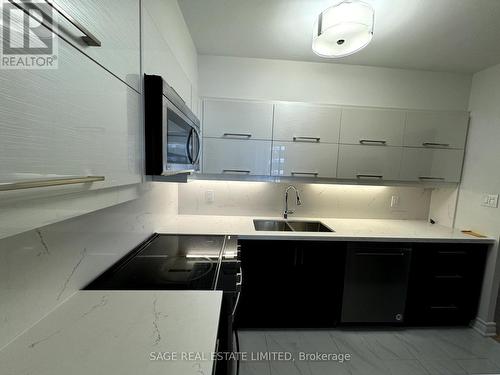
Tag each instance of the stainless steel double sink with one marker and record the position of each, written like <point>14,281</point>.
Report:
<point>290,226</point>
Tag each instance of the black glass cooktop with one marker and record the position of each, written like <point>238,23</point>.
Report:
<point>169,262</point>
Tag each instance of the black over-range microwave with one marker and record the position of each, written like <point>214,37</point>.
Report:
<point>172,130</point>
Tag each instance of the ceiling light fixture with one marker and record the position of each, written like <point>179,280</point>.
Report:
<point>343,29</point>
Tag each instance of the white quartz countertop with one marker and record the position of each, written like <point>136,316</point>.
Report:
<point>119,332</point>
<point>345,229</point>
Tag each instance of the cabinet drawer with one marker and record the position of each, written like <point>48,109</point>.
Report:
<point>372,126</point>
<point>303,122</point>
<point>436,129</point>
<point>237,119</point>
<point>56,123</point>
<point>115,23</point>
<point>304,159</point>
<point>426,165</point>
<point>235,156</point>
<point>369,162</point>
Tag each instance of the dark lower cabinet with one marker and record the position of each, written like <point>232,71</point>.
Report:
<point>445,283</point>
<point>304,284</point>
<point>291,284</point>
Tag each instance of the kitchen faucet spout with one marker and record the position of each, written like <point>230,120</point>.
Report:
<point>297,200</point>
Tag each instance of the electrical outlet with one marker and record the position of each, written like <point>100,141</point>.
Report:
<point>395,201</point>
<point>209,196</point>
<point>490,200</point>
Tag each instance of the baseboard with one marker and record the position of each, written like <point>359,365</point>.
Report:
<point>484,328</point>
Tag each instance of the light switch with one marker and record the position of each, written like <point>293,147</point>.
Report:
<point>490,200</point>
<point>209,196</point>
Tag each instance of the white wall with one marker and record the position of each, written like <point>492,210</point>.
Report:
<point>246,78</point>
<point>41,268</point>
<point>481,175</point>
<point>266,199</point>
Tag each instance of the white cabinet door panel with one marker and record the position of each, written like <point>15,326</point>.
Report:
<point>436,129</point>
<point>306,122</point>
<point>372,126</point>
<point>159,59</point>
<point>238,157</point>
<point>304,160</point>
<point>237,119</point>
<point>430,165</point>
<point>76,120</point>
<point>369,162</point>
<point>116,24</point>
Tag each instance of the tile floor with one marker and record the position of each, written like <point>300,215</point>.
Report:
<point>453,351</point>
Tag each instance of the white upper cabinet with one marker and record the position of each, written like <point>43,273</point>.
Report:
<point>158,59</point>
<point>304,159</point>
<point>115,23</point>
<point>236,157</point>
<point>369,162</point>
<point>237,119</point>
<point>431,165</point>
<point>302,122</point>
<point>436,129</point>
<point>77,120</point>
<point>372,126</point>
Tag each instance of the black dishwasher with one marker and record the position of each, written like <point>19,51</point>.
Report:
<point>376,283</point>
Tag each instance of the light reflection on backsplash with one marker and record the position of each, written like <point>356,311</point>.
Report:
<point>319,200</point>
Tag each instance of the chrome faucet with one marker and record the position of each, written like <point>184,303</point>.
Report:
<point>287,211</point>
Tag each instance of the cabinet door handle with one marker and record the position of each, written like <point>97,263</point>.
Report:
<point>398,254</point>
<point>372,141</point>
<point>433,144</point>
<point>235,171</point>
<point>88,37</point>
<point>452,252</point>
<point>315,174</point>
<point>450,307</point>
<point>448,277</point>
<point>31,184</point>
<point>431,178</point>
<point>245,135</point>
<point>369,176</point>
<point>306,139</point>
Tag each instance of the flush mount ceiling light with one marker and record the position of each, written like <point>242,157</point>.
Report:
<point>343,29</point>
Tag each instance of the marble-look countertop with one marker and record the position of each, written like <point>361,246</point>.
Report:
<point>345,229</point>
<point>116,332</point>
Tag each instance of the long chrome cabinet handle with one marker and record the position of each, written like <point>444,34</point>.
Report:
<point>432,144</point>
<point>89,38</point>
<point>315,174</point>
<point>431,178</point>
<point>235,171</point>
<point>369,176</point>
<point>306,139</point>
<point>49,182</point>
<point>372,141</point>
<point>246,135</point>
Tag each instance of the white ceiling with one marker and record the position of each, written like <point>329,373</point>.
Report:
<point>441,35</point>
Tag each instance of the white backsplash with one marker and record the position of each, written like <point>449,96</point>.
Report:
<point>319,200</point>
<point>41,268</point>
